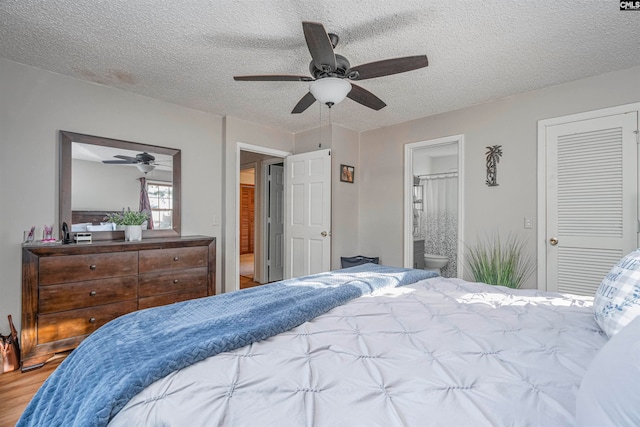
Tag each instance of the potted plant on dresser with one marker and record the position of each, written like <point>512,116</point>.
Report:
<point>132,221</point>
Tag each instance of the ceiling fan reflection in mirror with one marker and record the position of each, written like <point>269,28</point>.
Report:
<point>331,74</point>
<point>145,162</point>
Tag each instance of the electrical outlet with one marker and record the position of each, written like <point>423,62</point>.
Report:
<point>527,223</point>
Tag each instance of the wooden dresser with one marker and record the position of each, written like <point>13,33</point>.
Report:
<point>68,291</point>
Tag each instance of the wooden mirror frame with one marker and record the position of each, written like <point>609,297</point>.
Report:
<point>66,138</point>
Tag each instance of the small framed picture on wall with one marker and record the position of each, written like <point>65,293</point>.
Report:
<point>346,173</point>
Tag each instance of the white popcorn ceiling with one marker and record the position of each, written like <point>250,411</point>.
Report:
<point>187,52</point>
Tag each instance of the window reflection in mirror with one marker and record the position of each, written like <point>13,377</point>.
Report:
<point>161,201</point>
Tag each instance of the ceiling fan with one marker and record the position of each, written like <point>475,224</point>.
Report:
<point>145,162</point>
<point>331,74</point>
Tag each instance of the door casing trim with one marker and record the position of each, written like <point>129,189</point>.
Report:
<point>232,278</point>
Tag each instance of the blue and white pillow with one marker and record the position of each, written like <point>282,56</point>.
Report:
<point>617,300</point>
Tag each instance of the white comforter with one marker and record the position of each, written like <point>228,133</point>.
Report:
<point>441,352</point>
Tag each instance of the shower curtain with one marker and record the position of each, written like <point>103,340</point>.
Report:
<point>439,221</point>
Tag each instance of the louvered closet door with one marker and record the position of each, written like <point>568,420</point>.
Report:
<point>592,202</point>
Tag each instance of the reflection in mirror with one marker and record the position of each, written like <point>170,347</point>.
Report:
<point>99,176</point>
<point>107,187</point>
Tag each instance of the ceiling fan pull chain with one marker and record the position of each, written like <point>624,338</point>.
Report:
<point>320,124</point>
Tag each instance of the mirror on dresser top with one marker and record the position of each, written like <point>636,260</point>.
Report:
<point>91,188</point>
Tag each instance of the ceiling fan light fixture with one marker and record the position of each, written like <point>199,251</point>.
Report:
<point>330,90</point>
<point>143,167</point>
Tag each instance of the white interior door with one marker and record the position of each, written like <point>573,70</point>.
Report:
<point>591,199</point>
<point>307,213</point>
<point>275,223</point>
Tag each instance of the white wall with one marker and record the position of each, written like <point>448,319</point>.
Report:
<point>100,187</point>
<point>344,196</point>
<point>36,104</point>
<point>424,162</point>
<point>314,139</point>
<point>509,122</point>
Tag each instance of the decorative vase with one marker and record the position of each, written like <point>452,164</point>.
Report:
<point>133,233</point>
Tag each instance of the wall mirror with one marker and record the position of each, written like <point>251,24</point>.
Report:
<point>100,175</point>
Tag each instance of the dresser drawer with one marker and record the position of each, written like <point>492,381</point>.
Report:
<point>70,296</point>
<point>74,323</point>
<point>161,283</point>
<point>76,268</point>
<point>170,298</point>
<point>173,259</point>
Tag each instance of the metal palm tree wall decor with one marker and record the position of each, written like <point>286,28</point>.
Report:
<point>493,158</point>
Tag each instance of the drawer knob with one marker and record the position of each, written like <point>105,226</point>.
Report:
<point>175,280</point>
<point>92,320</point>
<point>175,258</point>
<point>93,267</point>
<point>92,293</point>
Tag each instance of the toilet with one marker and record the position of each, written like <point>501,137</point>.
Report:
<point>435,262</point>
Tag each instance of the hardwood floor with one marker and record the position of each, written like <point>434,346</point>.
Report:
<point>17,389</point>
<point>246,282</point>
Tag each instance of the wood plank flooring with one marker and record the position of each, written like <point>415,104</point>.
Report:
<point>246,282</point>
<point>17,388</point>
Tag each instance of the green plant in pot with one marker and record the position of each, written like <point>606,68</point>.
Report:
<point>114,217</point>
<point>134,218</point>
<point>132,222</point>
<point>500,262</point>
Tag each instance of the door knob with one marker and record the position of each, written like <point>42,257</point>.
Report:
<point>323,234</point>
<point>553,241</point>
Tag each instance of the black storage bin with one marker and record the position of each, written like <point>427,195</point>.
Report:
<point>357,260</point>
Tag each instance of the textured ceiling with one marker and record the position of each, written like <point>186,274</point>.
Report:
<point>187,52</point>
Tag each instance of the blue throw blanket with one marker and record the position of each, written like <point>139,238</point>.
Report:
<point>127,354</point>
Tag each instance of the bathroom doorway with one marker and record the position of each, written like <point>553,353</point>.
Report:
<point>433,205</point>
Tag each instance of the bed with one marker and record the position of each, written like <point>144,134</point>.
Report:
<point>378,346</point>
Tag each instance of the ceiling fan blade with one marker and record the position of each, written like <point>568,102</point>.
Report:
<point>319,46</point>
<point>366,98</point>
<point>119,162</point>
<point>273,78</point>
<point>129,158</point>
<point>388,67</point>
<point>304,103</point>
